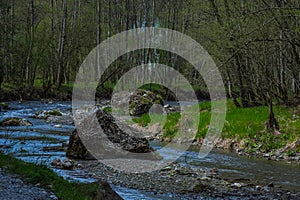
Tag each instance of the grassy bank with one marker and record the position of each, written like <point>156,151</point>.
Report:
<point>247,124</point>
<point>63,189</point>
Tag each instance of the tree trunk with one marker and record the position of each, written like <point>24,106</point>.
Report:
<point>61,46</point>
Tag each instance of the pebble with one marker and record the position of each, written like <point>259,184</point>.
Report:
<point>10,189</point>
<point>58,126</point>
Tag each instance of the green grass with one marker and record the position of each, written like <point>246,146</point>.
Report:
<point>34,174</point>
<point>241,123</point>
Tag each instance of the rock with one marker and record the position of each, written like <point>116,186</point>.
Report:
<point>67,164</point>
<point>107,192</point>
<point>205,178</point>
<point>56,163</point>
<point>169,108</point>
<point>43,114</point>
<point>166,168</point>
<point>64,119</point>
<point>141,101</point>
<point>15,121</point>
<point>53,197</point>
<point>267,155</point>
<point>58,126</point>
<point>238,185</point>
<point>76,149</point>
<point>115,135</point>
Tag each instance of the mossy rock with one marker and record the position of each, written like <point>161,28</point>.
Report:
<point>54,112</point>
<point>141,101</point>
<point>15,121</point>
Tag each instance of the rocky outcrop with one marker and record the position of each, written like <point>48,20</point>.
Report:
<point>115,140</point>
<point>141,101</point>
<point>54,116</point>
<point>15,121</point>
<point>43,114</point>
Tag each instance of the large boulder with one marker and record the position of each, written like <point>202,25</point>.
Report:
<point>141,101</point>
<point>76,149</point>
<point>15,121</point>
<point>115,140</point>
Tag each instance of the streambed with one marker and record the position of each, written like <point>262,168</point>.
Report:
<point>43,142</point>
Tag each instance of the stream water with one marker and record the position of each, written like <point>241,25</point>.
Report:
<point>33,144</point>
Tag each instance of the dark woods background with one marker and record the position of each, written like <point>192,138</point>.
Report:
<point>255,44</point>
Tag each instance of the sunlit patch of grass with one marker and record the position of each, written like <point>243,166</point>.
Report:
<point>240,123</point>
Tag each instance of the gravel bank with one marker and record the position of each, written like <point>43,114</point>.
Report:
<point>14,188</point>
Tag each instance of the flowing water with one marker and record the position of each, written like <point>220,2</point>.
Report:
<point>37,144</point>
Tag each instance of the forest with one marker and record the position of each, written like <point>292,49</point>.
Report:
<point>54,131</point>
<point>255,44</point>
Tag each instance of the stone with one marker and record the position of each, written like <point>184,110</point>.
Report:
<point>56,163</point>
<point>67,164</point>
<point>58,126</point>
<point>115,140</point>
<point>141,101</point>
<point>15,121</point>
<point>266,155</point>
<point>76,149</point>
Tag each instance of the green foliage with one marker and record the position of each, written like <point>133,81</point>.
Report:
<point>107,109</point>
<point>143,120</point>
<point>47,178</point>
<point>54,112</point>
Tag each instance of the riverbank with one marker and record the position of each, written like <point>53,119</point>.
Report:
<point>244,130</point>
<point>188,178</point>
<point>13,93</point>
<point>39,182</point>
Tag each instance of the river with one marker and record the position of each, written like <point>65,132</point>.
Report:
<point>33,144</point>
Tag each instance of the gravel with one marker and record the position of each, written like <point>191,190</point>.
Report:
<point>14,188</point>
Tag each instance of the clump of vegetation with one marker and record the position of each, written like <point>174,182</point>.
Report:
<point>34,174</point>
<point>107,109</point>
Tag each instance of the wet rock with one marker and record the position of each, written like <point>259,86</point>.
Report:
<point>237,185</point>
<point>43,114</point>
<point>267,155</point>
<point>141,101</point>
<point>56,163</point>
<point>65,164</point>
<point>168,108</point>
<point>15,121</point>
<point>58,126</point>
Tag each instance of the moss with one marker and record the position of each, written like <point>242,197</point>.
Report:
<point>54,112</point>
